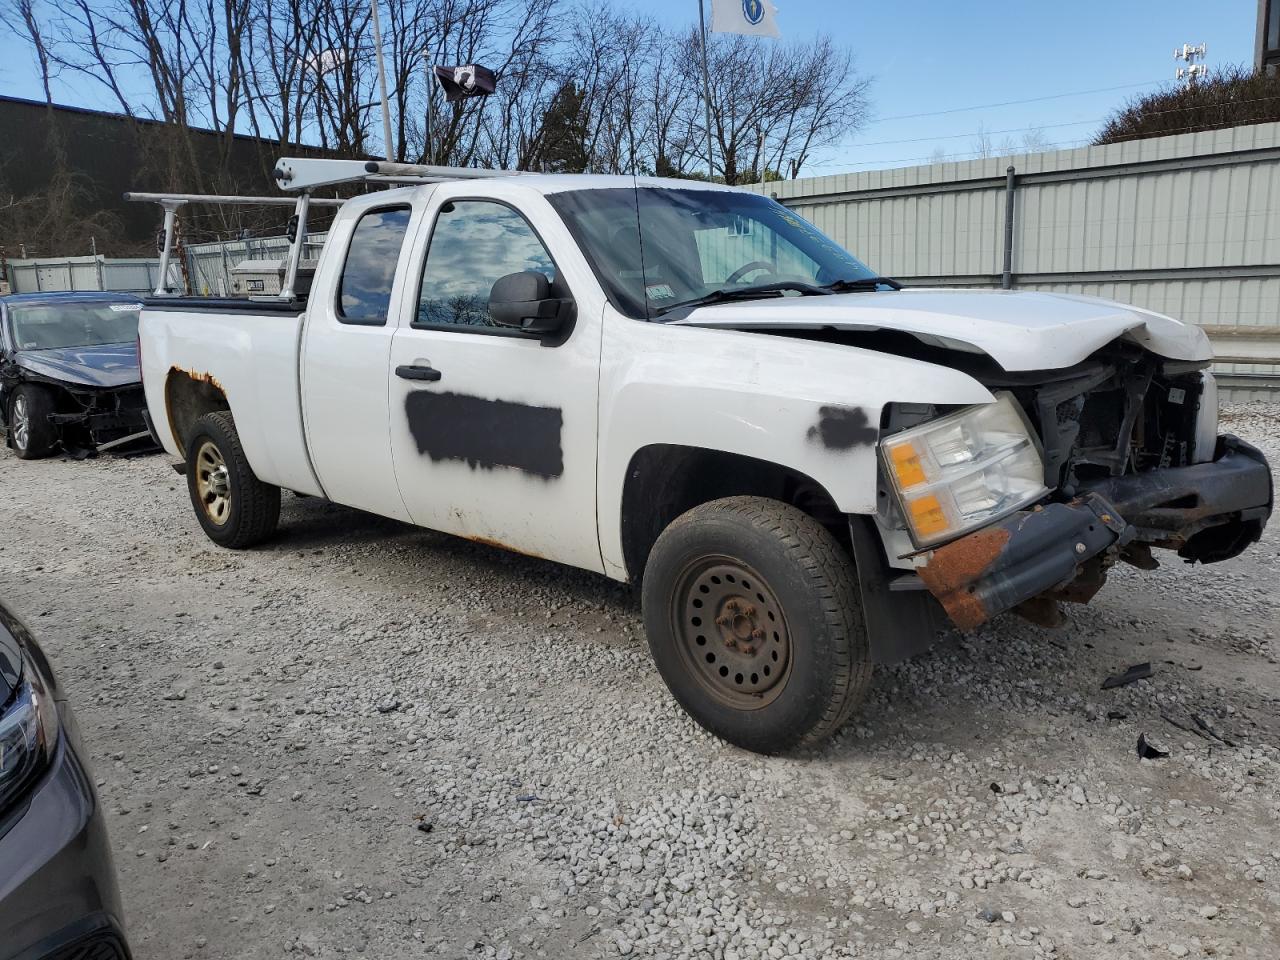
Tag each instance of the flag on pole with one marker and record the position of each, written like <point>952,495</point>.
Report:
<point>468,80</point>
<point>755,18</point>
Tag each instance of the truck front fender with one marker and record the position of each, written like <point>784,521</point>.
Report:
<point>814,408</point>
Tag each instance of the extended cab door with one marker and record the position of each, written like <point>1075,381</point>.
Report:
<point>500,446</point>
<point>350,322</point>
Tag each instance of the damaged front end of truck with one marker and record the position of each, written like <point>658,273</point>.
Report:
<point>1128,457</point>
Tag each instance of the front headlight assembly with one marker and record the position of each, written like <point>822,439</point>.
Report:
<point>963,471</point>
<point>28,735</point>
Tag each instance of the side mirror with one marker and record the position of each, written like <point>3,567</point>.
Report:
<point>524,301</point>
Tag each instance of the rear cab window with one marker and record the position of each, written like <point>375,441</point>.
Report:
<point>364,289</point>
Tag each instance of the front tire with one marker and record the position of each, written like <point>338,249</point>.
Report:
<point>754,620</point>
<point>30,431</point>
<point>234,507</point>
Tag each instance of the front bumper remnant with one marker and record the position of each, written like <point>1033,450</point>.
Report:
<point>1207,512</point>
<point>1000,566</point>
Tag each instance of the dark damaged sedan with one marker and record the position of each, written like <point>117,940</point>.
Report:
<point>69,372</point>
<point>58,895</point>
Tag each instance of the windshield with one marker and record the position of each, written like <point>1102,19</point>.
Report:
<point>52,326</point>
<point>654,248</point>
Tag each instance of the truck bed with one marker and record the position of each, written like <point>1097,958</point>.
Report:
<point>248,349</point>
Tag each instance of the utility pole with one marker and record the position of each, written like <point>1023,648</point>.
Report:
<point>382,81</point>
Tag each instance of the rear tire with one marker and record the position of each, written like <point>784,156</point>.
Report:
<point>234,507</point>
<point>754,620</point>
<point>30,432</point>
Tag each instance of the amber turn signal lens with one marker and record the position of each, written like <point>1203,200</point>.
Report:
<point>906,464</point>
<point>927,515</point>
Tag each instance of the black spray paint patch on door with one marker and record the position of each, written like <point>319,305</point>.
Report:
<point>486,433</point>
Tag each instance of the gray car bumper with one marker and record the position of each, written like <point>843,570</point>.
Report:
<point>58,895</point>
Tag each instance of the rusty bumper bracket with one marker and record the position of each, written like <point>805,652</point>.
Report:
<point>1208,512</point>
<point>1026,554</point>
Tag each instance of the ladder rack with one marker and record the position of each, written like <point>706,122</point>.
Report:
<point>294,173</point>
<point>304,175</point>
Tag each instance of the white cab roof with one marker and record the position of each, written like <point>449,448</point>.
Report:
<point>541,183</point>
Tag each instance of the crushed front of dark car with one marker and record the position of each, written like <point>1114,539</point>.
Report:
<point>69,373</point>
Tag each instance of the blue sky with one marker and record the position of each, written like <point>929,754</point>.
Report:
<point>932,55</point>
<point>928,56</point>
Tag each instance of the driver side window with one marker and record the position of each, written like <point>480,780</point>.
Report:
<point>473,245</point>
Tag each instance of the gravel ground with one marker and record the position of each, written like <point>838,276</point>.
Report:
<point>366,739</point>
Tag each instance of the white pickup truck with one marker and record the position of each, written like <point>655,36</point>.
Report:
<point>690,388</point>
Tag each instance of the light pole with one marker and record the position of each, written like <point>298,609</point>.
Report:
<point>706,88</point>
<point>431,82</point>
<point>382,81</point>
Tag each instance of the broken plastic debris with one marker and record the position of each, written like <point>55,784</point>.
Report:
<point>1139,671</point>
<point>1148,752</point>
<point>1117,715</point>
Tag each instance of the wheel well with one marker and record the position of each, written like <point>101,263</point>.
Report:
<point>665,480</point>
<point>187,398</point>
<point>59,397</point>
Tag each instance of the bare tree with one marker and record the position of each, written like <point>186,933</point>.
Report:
<point>580,85</point>
<point>774,104</point>
<point>54,221</point>
<point>1230,96</point>
<point>981,144</point>
<point>1034,140</point>
<point>20,17</point>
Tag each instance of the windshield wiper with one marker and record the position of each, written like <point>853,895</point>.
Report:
<point>862,283</point>
<point>756,292</point>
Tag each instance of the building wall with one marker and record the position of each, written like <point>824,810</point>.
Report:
<point>107,154</point>
<point>1185,225</point>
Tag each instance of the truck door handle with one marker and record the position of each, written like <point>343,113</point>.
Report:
<point>417,372</point>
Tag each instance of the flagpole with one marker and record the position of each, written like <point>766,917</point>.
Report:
<point>382,83</point>
<point>706,85</point>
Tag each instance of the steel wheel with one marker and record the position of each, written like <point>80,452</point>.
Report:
<point>20,416</point>
<point>213,483</point>
<point>234,507</point>
<point>731,632</point>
